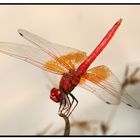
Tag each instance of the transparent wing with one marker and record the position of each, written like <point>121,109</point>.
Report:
<point>70,58</point>
<point>104,84</point>
<point>31,55</point>
<point>46,55</point>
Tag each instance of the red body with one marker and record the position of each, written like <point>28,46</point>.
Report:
<point>70,80</point>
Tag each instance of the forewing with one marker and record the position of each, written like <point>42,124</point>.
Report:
<point>69,58</point>
<point>33,55</point>
<point>103,83</point>
<point>46,55</point>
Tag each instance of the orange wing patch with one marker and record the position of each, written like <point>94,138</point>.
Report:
<point>66,62</point>
<point>96,75</point>
<point>55,67</point>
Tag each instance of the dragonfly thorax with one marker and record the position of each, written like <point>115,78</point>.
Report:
<point>69,81</point>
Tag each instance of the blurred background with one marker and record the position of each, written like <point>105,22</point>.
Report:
<point>25,106</point>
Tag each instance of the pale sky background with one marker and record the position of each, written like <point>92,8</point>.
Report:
<point>25,107</point>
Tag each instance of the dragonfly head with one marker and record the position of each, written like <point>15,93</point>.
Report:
<point>56,95</point>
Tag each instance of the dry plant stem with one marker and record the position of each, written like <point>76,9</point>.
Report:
<point>67,125</point>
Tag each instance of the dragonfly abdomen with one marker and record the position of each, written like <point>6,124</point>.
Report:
<point>84,66</point>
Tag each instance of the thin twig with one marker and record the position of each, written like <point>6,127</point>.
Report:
<point>67,124</point>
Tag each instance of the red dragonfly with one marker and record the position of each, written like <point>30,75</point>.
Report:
<point>73,65</point>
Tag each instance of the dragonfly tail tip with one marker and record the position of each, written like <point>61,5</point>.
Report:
<point>119,21</point>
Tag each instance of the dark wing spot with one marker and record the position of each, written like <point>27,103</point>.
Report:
<point>108,102</point>
<point>21,34</point>
<point>129,105</point>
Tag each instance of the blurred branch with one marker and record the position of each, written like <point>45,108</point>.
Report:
<point>104,127</point>
<point>67,124</point>
<point>128,80</point>
<point>83,123</point>
<point>132,79</point>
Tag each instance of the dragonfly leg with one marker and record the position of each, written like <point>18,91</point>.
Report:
<point>69,111</point>
<point>71,103</point>
<point>66,105</point>
<point>62,105</point>
<point>67,108</point>
<point>73,99</point>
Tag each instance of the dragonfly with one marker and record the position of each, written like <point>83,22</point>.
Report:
<point>73,66</point>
